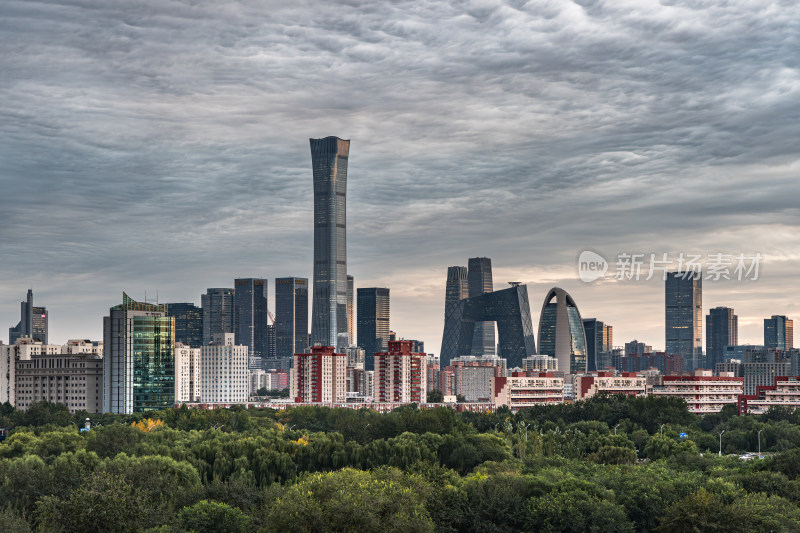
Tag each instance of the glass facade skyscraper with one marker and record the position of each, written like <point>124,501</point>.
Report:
<point>722,329</point>
<point>188,323</point>
<point>479,275</point>
<point>597,347</point>
<point>250,318</point>
<point>561,333</point>
<point>778,333</point>
<point>373,322</point>
<point>32,322</point>
<point>291,316</point>
<point>683,303</point>
<point>138,359</point>
<point>329,157</point>
<point>218,313</point>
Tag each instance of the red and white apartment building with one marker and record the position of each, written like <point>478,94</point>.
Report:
<point>703,392</point>
<point>526,389</point>
<point>319,377</point>
<point>400,375</point>
<point>785,392</point>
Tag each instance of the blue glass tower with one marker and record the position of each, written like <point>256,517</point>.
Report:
<point>329,307</point>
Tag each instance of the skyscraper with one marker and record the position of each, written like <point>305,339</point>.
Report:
<point>480,282</point>
<point>218,314</point>
<point>595,343</point>
<point>683,304</point>
<point>351,325</point>
<point>561,333</point>
<point>329,158</point>
<point>291,316</point>
<point>188,323</point>
<point>722,329</point>
<point>138,359</point>
<point>250,318</point>
<point>373,322</point>
<point>32,323</point>
<point>778,333</point>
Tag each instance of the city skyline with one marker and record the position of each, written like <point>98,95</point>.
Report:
<point>125,170</point>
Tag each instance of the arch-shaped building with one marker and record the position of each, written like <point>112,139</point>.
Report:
<point>561,333</point>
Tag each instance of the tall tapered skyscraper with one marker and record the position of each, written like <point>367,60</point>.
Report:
<point>32,323</point>
<point>683,302</point>
<point>329,307</point>
<point>480,282</point>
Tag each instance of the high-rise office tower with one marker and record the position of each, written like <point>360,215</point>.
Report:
<point>250,318</point>
<point>456,289</point>
<point>329,312</point>
<point>138,359</point>
<point>778,333</point>
<point>32,323</point>
<point>722,329</point>
<point>372,322</point>
<point>561,333</point>
<point>188,323</point>
<point>218,314</point>
<point>480,282</point>
<point>291,316</point>
<point>683,302</point>
<point>595,331</point>
<point>351,294</point>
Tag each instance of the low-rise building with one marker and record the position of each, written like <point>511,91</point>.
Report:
<point>472,376</point>
<point>703,392</point>
<point>629,383</point>
<point>73,380</point>
<point>526,389</point>
<point>785,392</point>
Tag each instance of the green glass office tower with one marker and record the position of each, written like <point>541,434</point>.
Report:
<point>139,358</point>
<point>561,333</point>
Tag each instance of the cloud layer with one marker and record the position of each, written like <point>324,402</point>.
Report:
<point>163,145</point>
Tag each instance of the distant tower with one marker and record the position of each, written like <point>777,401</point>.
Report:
<point>683,302</point>
<point>480,282</point>
<point>561,333</point>
<point>595,343</point>
<point>250,318</point>
<point>778,333</point>
<point>373,322</point>
<point>351,325</point>
<point>188,323</point>
<point>291,316</point>
<point>32,323</point>
<point>722,329</point>
<point>329,158</point>
<point>218,314</point>
<point>456,289</point>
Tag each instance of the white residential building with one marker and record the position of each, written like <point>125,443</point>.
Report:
<point>703,392</point>
<point>223,371</point>
<point>187,373</point>
<point>526,389</point>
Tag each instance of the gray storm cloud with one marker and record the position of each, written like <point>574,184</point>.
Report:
<point>164,145</point>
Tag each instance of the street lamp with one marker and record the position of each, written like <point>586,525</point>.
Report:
<point>720,442</point>
<point>661,429</point>
<point>615,429</point>
<point>759,441</point>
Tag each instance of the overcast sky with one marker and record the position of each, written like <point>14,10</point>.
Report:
<point>162,145</point>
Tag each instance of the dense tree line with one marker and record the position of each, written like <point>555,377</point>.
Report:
<point>611,463</point>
